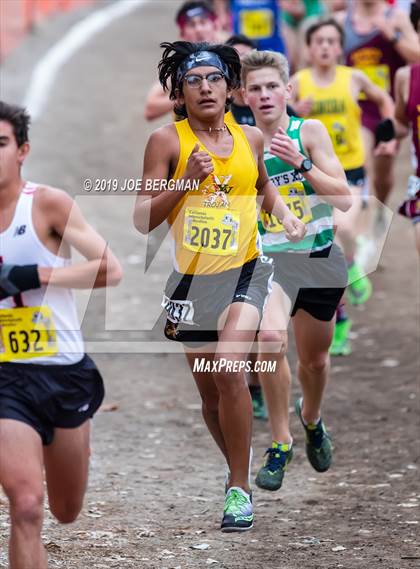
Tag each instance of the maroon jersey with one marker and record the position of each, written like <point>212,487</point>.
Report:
<point>377,57</point>
<point>413,110</point>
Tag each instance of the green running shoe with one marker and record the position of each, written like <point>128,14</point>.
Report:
<point>359,289</point>
<point>271,474</point>
<point>238,514</point>
<point>259,410</point>
<point>318,442</point>
<point>340,345</point>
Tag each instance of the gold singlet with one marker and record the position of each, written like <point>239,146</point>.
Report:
<point>335,107</point>
<point>214,228</point>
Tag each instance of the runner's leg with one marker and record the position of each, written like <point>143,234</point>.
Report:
<point>237,326</point>
<point>272,346</point>
<point>313,338</point>
<point>66,468</point>
<point>21,475</point>
<point>209,397</point>
<point>383,177</point>
<point>346,223</point>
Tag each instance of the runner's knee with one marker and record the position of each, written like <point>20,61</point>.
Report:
<point>316,364</point>
<point>272,341</point>
<point>228,381</point>
<point>27,508</point>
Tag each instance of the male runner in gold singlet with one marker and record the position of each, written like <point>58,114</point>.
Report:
<point>215,297</point>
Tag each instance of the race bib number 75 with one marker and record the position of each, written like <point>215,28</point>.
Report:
<point>296,201</point>
<point>26,333</point>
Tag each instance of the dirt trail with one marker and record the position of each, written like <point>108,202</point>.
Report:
<point>156,486</point>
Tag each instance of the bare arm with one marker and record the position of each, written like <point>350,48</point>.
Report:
<point>221,7</point>
<point>158,103</point>
<point>374,93</point>
<point>153,207</point>
<point>337,5</point>
<point>402,80</point>
<point>65,218</point>
<point>327,175</point>
<point>302,107</point>
<point>272,201</point>
<point>400,30</point>
<point>295,8</point>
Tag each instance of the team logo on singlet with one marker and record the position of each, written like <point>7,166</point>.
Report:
<point>286,178</point>
<point>217,192</point>
<point>20,230</point>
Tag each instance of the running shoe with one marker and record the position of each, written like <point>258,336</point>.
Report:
<point>271,474</point>
<point>359,289</point>
<point>340,345</point>
<point>411,207</point>
<point>318,442</point>
<point>259,410</point>
<point>237,514</point>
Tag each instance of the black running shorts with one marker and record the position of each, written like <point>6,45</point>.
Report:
<point>314,282</point>
<point>356,177</point>
<point>50,396</point>
<point>195,303</point>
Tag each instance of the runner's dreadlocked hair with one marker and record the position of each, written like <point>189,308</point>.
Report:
<point>175,53</point>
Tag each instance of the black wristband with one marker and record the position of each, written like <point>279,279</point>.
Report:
<point>25,277</point>
<point>384,131</point>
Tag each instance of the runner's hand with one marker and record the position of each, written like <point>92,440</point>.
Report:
<point>303,107</point>
<point>386,26</point>
<point>199,164</point>
<point>15,279</point>
<point>283,147</point>
<point>294,229</point>
<point>386,148</point>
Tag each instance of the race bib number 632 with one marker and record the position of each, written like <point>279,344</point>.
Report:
<point>26,333</point>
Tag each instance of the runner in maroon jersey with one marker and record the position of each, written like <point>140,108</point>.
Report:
<point>407,112</point>
<point>379,40</point>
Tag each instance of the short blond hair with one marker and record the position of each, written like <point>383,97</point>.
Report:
<point>258,59</point>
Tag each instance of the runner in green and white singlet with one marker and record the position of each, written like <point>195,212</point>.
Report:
<point>301,163</point>
<point>302,200</point>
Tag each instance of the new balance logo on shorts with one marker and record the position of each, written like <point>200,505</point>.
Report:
<point>243,296</point>
<point>20,230</point>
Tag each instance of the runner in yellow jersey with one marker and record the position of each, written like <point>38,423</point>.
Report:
<point>329,92</point>
<point>215,296</point>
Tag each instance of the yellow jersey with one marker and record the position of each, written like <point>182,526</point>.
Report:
<point>229,118</point>
<point>335,107</point>
<point>214,227</point>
